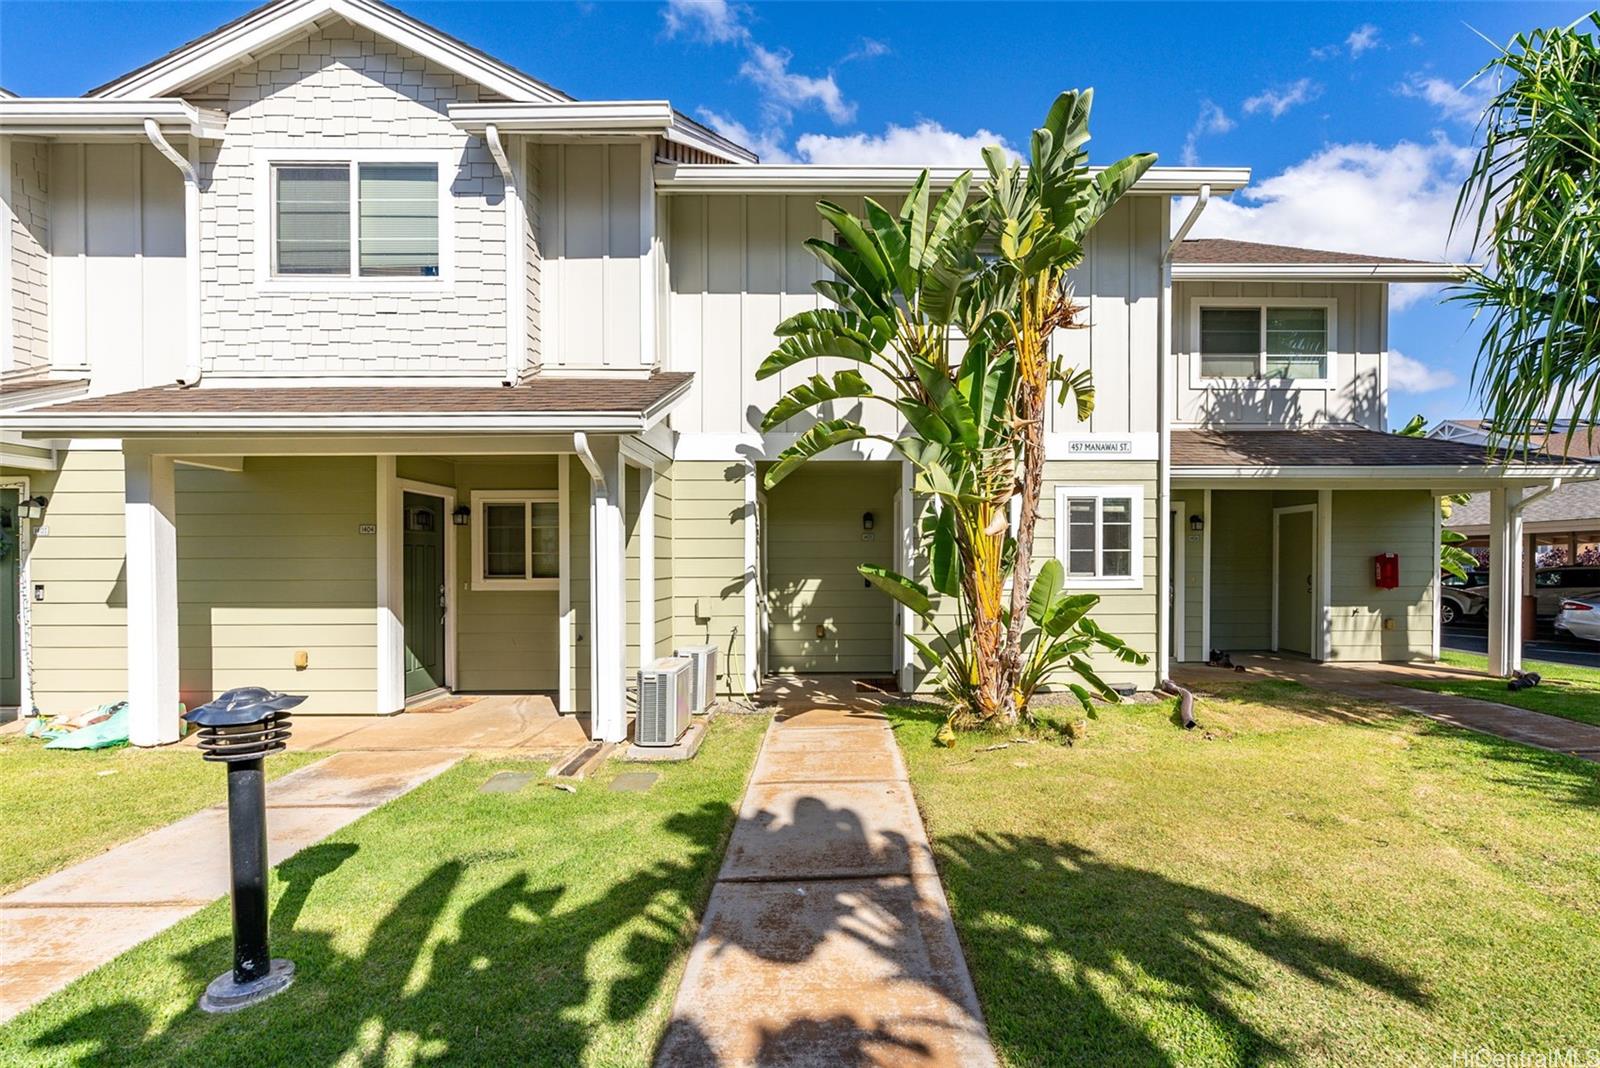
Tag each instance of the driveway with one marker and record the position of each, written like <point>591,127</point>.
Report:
<point>1548,645</point>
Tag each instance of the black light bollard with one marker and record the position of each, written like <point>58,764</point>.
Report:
<point>239,729</point>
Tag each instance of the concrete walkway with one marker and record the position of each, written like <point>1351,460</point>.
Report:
<point>69,923</point>
<point>827,940</point>
<point>1384,682</point>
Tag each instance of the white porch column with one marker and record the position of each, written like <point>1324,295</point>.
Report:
<point>151,541</point>
<point>607,605</point>
<point>390,684</point>
<point>1324,539</point>
<point>645,531</point>
<point>1503,572</point>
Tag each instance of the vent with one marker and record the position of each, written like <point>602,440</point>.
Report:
<point>703,687</point>
<point>663,702</point>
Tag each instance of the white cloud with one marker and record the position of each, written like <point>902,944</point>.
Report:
<point>712,21</point>
<point>1211,120</point>
<point>1414,376</point>
<point>783,90</point>
<point>1464,103</point>
<point>927,142</point>
<point>768,144</point>
<point>1280,99</point>
<point>1363,38</point>
<point>867,49</point>
<point>1394,201</point>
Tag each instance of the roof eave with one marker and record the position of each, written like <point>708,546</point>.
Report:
<point>817,178</point>
<point>75,118</point>
<point>1321,272</point>
<point>1368,472</point>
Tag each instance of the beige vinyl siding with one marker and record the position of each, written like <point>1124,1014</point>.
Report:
<point>1130,614</point>
<point>1365,524</point>
<point>272,559</point>
<point>506,640</point>
<point>1360,336</point>
<point>662,594</point>
<point>814,543</point>
<point>593,245</point>
<point>79,637</point>
<point>709,577</point>
<point>1193,502</point>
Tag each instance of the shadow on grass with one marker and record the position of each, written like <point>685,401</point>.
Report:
<point>1075,957</point>
<point>509,982</point>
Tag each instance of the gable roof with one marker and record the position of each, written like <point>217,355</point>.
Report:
<point>1570,441</point>
<point>1223,258</point>
<point>273,23</point>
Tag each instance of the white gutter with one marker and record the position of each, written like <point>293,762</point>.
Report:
<point>598,118</point>
<point>1322,272</point>
<point>1199,206</point>
<point>191,249</point>
<point>75,118</point>
<point>516,268</point>
<point>580,445</point>
<point>817,178</point>
<point>1536,495</point>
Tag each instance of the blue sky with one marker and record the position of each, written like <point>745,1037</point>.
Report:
<point>1351,115</point>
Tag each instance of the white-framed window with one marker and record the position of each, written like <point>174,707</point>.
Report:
<point>516,540</point>
<point>1277,342</point>
<point>1100,535</point>
<point>354,219</point>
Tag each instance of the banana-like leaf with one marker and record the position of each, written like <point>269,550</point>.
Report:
<point>1079,383</point>
<point>820,438</point>
<point>814,391</point>
<point>1068,611</point>
<point>913,595</point>
<point>1082,669</point>
<point>914,216</point>
<point>1048,587</point>
<point>868,289</point>
<point>855,237</point>
<point>944,561</point>
<point>893,246</point>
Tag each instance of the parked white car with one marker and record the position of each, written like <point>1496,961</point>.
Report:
<point>1580,617</point>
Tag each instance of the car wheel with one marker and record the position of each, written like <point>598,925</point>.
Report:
<point>1448,613</point>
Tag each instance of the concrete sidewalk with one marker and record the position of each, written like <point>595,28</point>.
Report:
<point>67,924</point>
<point>1384,682</point>
<point>827,940</point>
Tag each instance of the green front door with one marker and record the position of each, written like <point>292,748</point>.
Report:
<point>424,593</point>
<point>1296,578</point>
<point>10,627</point>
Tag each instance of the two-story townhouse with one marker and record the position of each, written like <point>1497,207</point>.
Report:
<point>342,358</point>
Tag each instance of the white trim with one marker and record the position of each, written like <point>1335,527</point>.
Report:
<point>648,355</point>
<point>1324,554</point>
<point>515,266</point>
<point>1331,359</point>
<point>8,225</point>
<point>752,674</point>
<point>646,533</point>
<point>1277,516</point>
<point>390,688</point>
<point>1437,583</point>
<point>1421,475</point>
<point>1321,272</point>
<point>478,498</point>
<point>75,118</point>
<point>599,118</point>
<point>265,158</point>
<point>1178,549</point>
<point>906,552</point>
<point>22,484</point>
<point>1135,495</point>
<point>448,495</point>
<point>1205,573</point>
<point>151,547</point>
<point>566,624</point>
<point>260,31</point>
<point>815,178</point>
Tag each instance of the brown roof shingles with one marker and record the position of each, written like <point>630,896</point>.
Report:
<point>1219,250</point>
<point>539,395</point>
<point>1326,447</point>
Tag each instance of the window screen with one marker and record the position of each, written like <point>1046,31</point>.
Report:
<point>504,544</point>
<point>546,539</point>
<point>1230,342</point>
<point>313,224</point>
<point>399,205</point>
<point>1297,343</point>
<point>1080,536</point>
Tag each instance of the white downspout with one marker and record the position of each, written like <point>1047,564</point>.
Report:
<point>516,269</point>
<point>191,248</point>
<point>1165,389</point>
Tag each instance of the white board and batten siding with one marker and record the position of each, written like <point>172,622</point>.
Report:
<point>1357,389</point>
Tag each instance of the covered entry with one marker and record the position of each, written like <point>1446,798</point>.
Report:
<point>821,523</point>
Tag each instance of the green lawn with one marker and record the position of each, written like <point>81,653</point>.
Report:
<point>1306,879</point>
<point>63,805</point>
<point>1566,691</point>
<point>536,927</point>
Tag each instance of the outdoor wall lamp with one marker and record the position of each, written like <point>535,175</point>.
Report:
<point>461,516</point>
<point>1196,524</point>
<point>867,521</point>
<point>33,507</point>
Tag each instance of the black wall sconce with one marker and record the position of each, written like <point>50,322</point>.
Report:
<point>461,516</point>
<point>33,507</point>
<point>1196,523</point>
<point>867,521</point>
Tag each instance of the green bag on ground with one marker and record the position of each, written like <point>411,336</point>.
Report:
<point>102,735</point>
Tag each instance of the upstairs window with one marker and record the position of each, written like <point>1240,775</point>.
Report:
<point>1285,342</point>
<point>1099,535</point>
<point>355,219</point>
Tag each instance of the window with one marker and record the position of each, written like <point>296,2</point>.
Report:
<point>356,219</point>
<point>516,541</point>
<point>1288,342</point>
<point>1099,535</point>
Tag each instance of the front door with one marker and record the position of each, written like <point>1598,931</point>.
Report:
<point>424,593</point>
<point>10,627</point>
<point>1296,581</point>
